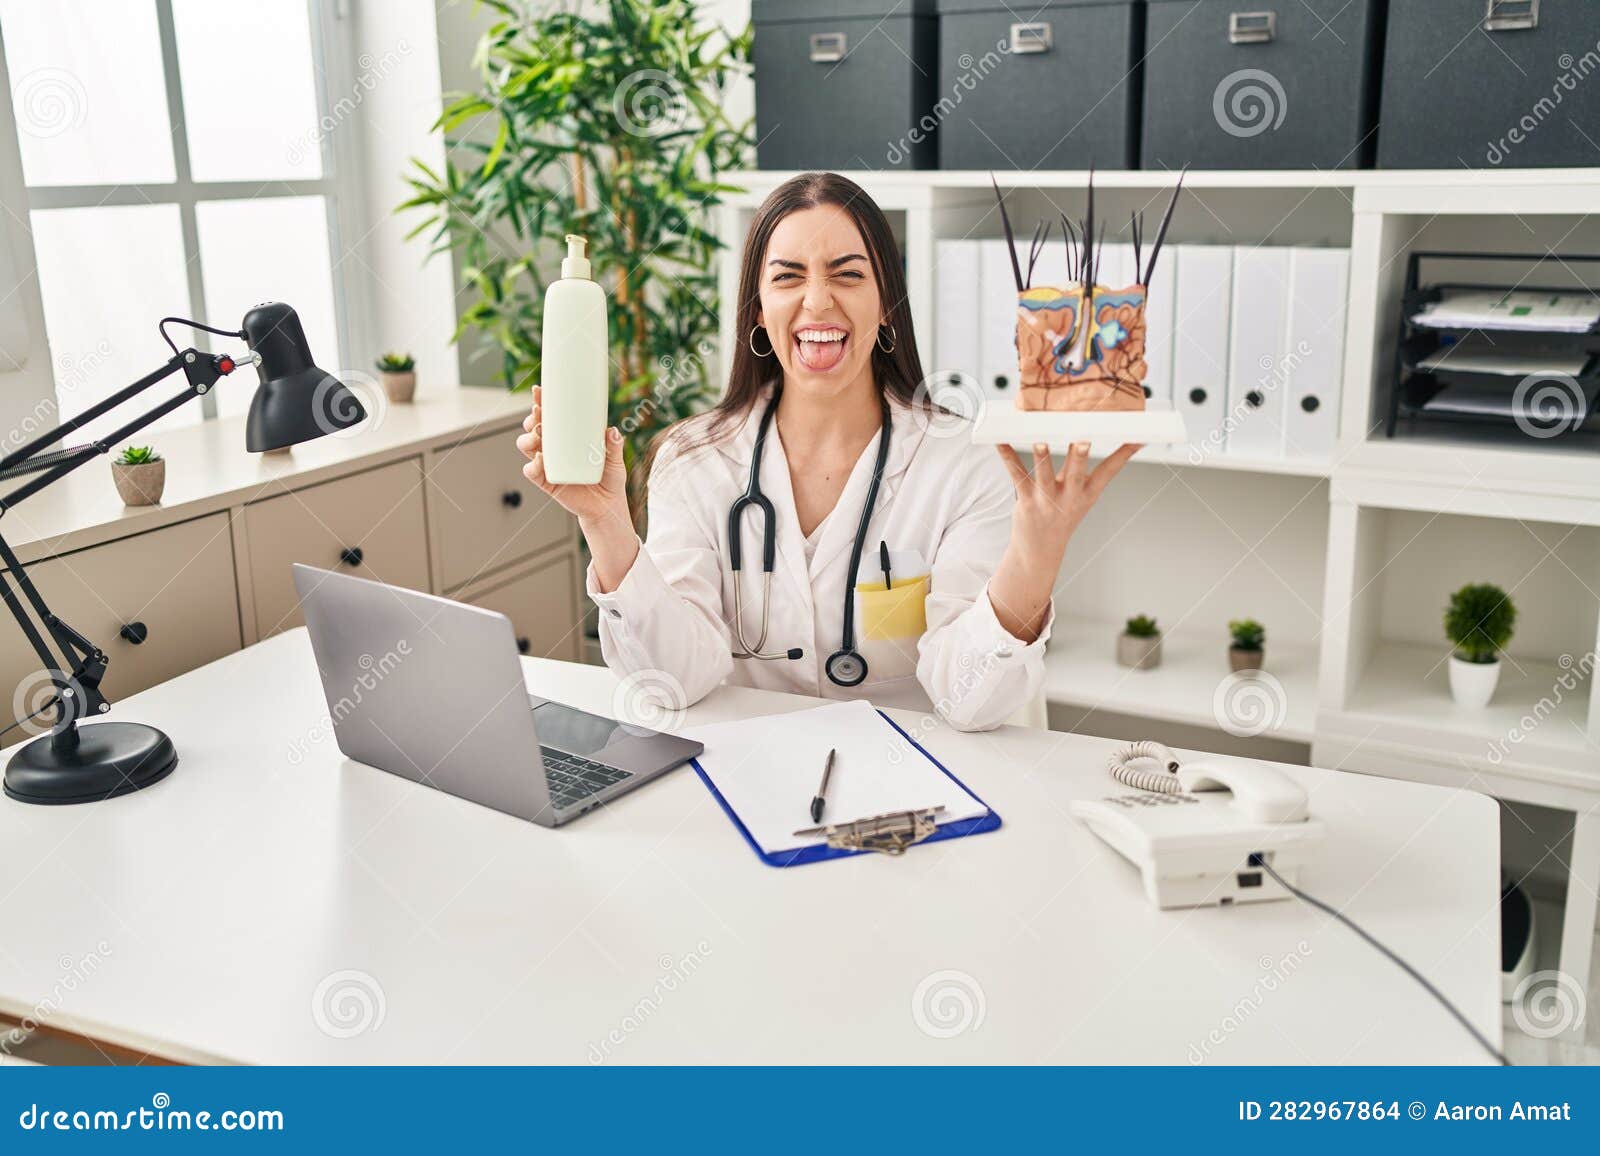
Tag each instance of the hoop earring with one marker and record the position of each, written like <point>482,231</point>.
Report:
<point>892,339</point>
<point>751,342</point>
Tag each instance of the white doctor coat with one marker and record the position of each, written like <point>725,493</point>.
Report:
<point>944,509</point>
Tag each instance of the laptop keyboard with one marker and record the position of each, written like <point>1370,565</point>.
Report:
<point>573,778</point>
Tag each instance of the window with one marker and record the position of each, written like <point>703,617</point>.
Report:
<point>174,167</point>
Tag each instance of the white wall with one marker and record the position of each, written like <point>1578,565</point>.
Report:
<point>1547,570</point>
<point>459,24</point>
<point>1248,545</point>
<point>409,302</point>
<point>27,387</point>
<point>734,15</point>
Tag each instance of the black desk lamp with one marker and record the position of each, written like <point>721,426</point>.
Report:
<point>295,402</point>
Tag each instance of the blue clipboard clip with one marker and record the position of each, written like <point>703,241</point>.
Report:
<point>906,822</point>
<point>891,834</point>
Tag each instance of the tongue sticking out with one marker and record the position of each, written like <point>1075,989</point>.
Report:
<point>820,355</point>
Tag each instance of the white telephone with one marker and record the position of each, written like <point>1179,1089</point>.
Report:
<point>1195,845</point>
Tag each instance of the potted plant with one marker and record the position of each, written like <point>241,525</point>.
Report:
<point>1139,645</point>
<point>140,474</point>
<point>398,372</point>
<point>607,120</point>
<point>1478,624</point>
<point>1245,650</point>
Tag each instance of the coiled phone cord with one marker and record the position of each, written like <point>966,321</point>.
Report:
<point>1164,781</point>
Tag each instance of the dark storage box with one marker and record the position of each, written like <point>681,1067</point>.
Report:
<point>1261,84</point>
<point>1468,82</point>
<point>1041,85</point>
<point>844,84</point>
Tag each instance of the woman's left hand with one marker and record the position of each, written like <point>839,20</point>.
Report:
<point>1051,502</point>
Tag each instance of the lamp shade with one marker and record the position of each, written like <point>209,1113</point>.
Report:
<point>296,401</point>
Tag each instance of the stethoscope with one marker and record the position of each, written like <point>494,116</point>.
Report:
<point>845,666</point>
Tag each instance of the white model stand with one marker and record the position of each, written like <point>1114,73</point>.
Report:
<point>1002,423</point>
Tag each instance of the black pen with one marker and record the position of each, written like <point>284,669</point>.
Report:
<point>883,561</point>
<point>822,789</point>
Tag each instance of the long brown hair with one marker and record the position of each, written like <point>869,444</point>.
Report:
<point>897,374</point>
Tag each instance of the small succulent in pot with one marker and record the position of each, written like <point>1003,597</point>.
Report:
<point>1478,622</point>
<point>398,372</point>
<point>1245,650</point>
<point>140,475</point>
<point>1139,644</point>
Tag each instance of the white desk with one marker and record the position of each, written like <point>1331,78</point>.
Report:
<point>218,901</point>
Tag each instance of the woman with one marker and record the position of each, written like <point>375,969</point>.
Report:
<point>972,545</point>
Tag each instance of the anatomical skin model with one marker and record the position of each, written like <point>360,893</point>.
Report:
<point>1081,347</point>
<point>1109,350</point>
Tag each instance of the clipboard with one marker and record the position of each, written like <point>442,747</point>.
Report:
<point>818,852</point>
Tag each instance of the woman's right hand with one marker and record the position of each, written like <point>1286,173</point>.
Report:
<point>591,505</point>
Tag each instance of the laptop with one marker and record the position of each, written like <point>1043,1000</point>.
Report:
<point>431,690</point>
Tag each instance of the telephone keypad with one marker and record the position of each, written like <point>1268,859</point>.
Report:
<point>1145,799</point>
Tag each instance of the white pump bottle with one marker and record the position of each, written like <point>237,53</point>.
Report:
<point>573,377</point>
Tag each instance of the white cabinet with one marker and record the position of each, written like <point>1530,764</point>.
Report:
<point>428,498</point>
<point>370,524</point>
<point>158,604</point>
<point>486,515</point>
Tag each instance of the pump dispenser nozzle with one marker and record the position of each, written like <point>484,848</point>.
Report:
<point>575,264</point>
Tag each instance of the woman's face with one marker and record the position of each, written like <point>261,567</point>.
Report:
<point>820,302</point>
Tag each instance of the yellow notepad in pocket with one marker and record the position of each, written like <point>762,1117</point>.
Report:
<point>897,612</point>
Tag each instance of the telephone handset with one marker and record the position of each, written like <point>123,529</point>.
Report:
<point>1200,832</point>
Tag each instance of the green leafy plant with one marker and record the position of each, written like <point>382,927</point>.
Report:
<point>1142,626</point>
<point>1247,634</point>
<point>137,456</point>
<point>1478,622</point>
<point>396,363</point>
<point>610,126</point>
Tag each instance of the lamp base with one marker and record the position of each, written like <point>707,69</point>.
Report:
<point>112,758</point>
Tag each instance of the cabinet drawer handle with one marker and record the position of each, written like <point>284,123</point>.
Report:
<point>351,556</point>
<point>523,644</point>
<point>1511,15</point>
<point>1252,27</point>
<point>1309,403</point>
<point>512,499</point>
<point>827,47</point>
<point>1001,381</point>
<point>1197,396</point>
<point>135,632</point>
<point>1255,398</point>
<point>1028,39</point>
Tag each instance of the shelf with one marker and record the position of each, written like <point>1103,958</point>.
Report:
<point>1196,535</point>
<point>1392,190</point>
<point>1192,685</point>
<point>901,189</point>
<point>209,469</point>
<point>1403,698</point>
<point>1180,457</point>
<point>1471,470</point>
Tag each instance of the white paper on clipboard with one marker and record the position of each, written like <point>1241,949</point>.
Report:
<point>768,769</point>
